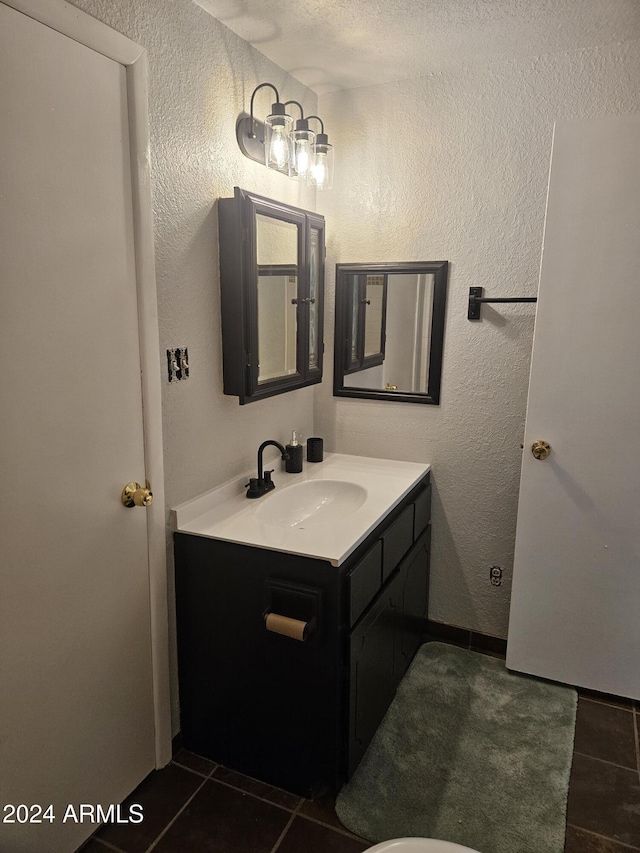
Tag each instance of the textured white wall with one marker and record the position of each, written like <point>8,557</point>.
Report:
<point>449,167</point>
<point>454,167</point>
<point>201,79</point>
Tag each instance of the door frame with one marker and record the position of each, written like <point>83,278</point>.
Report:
<point>81,27</point>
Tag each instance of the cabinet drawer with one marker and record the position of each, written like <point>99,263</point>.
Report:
<point>422,512</point>
<point>365,580</point>
<point>397,541</point>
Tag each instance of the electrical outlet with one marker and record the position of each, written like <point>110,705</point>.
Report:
<point>178,363</point>
<point>495,575</point>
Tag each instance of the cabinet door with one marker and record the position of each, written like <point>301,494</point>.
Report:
<point>372,683</point>
<point>411,600</point>
<point>276,302</point>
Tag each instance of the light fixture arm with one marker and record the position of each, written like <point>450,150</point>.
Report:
<point>261,86</point>
<point>317,118</point>
<point>298,104</point>
<point>302,123</point>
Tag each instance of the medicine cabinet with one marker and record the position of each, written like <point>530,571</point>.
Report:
<point>272,289</point>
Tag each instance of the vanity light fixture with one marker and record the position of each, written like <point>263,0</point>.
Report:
<point>295,150</point>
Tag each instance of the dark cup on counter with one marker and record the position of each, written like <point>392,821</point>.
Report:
<point>315,449</point>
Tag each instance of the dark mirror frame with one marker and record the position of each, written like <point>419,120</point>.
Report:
<point>239,271</point>
<point>440,272</point>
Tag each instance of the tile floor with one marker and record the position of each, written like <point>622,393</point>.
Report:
<point>196,806</point>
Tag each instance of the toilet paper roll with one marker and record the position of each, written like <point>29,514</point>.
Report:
<point>294,628</point>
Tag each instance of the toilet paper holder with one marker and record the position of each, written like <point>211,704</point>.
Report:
<point>288,627</point>
<point>292,610</point>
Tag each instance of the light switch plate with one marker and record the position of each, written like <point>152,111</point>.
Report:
<point>178,363</point>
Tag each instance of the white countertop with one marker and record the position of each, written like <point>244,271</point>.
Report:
<point>225,512</point>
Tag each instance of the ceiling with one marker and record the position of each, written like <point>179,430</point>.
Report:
<point>341,44</point>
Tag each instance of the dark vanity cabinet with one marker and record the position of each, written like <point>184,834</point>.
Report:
<point>272,286</point>
<point>298,712</point>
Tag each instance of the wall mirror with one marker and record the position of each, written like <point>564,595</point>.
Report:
<point>390,330</point>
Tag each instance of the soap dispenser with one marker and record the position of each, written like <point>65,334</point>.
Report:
<point>293,465</point>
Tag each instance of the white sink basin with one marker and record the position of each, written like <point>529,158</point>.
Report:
<point>323,513</point>
<point>311,504</point>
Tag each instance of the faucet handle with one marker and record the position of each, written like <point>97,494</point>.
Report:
<point>256,488</point>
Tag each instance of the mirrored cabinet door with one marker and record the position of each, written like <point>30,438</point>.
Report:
<point>272,284</point>
<point>277,251</point>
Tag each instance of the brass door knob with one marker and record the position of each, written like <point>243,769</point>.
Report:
<point>541,449</point>
<point>134,494</point>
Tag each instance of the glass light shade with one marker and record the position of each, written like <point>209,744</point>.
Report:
<point>277,142</point>
<point>321,175</point>
<point>303,158</point>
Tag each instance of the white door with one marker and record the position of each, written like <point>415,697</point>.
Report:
<point>77,704</point>
<point>575,608</point>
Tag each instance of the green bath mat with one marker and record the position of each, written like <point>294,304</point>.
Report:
<point>468,752</point>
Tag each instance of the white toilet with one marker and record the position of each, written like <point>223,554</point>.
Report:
<point>418,845</point>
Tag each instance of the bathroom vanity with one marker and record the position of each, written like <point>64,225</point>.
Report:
<point>298,614</point>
